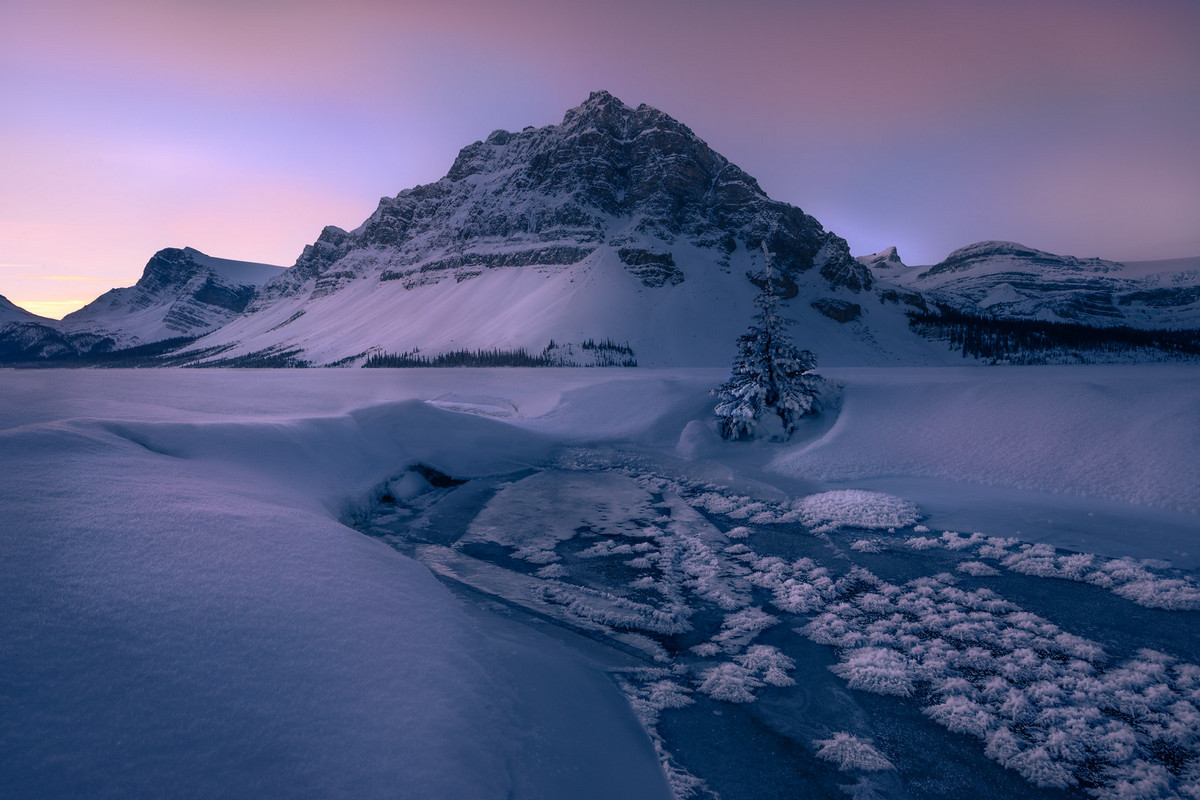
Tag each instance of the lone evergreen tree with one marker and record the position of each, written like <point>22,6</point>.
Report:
<point>769,373</point>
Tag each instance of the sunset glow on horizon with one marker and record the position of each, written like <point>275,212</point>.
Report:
<point>243,128</point>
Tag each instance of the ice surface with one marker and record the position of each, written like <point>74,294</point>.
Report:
<point>601,502</point>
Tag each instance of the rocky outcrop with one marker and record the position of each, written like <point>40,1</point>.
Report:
<point>652,269</point>
<point>837,310</point>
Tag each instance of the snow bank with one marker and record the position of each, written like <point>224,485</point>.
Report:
<point>182,609</point>
<point>1128,433</point>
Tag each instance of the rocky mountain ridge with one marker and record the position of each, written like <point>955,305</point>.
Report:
<point>550,196</point>
<point>182,292</point>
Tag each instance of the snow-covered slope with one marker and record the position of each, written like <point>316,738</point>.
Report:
<point>618,224</point>
<point>182,293</point>
<point>1005,279</point>
<point>199,624</point>
<point>11,312</point>
<point>25,336</point>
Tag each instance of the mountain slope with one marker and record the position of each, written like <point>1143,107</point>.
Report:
<point>24,336</point>
<point>11,312</point>
<point>181,293</point>
<point>617,224</point>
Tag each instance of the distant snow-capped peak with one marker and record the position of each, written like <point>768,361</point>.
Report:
<point>887,258</point>
<point>182,292</point>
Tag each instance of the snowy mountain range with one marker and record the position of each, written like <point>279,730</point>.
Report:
<point>618,225</point>
<point>1010,280</point>
<point>182,294</point>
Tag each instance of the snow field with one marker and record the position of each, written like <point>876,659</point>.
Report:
<point>182,608</point>
<point>1125,433</point>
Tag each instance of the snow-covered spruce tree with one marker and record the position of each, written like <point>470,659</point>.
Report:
<point>769,373</point>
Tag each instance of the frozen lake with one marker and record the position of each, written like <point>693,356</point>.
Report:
<point>561,583</point>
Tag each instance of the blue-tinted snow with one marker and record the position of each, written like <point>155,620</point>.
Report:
<point>187,614</point>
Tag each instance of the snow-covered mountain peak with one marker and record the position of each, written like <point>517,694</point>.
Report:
<point>618,223</point>
<point>182,292</point>
<point>1011,280</point>
<point>631,179</point>
<point>601,110</point>
<point>242,273</point>
<point>887,258</point>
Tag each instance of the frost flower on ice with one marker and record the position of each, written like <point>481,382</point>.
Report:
<point>854,508</point>
<point>876,669</point>
<point>850,753</point>
<point>730,682</point>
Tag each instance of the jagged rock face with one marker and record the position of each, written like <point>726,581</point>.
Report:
<point>629,178</point>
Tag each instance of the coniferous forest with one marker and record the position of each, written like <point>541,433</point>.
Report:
<point>1033,341</point>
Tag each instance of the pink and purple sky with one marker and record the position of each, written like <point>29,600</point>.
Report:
<point>242,127</point>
